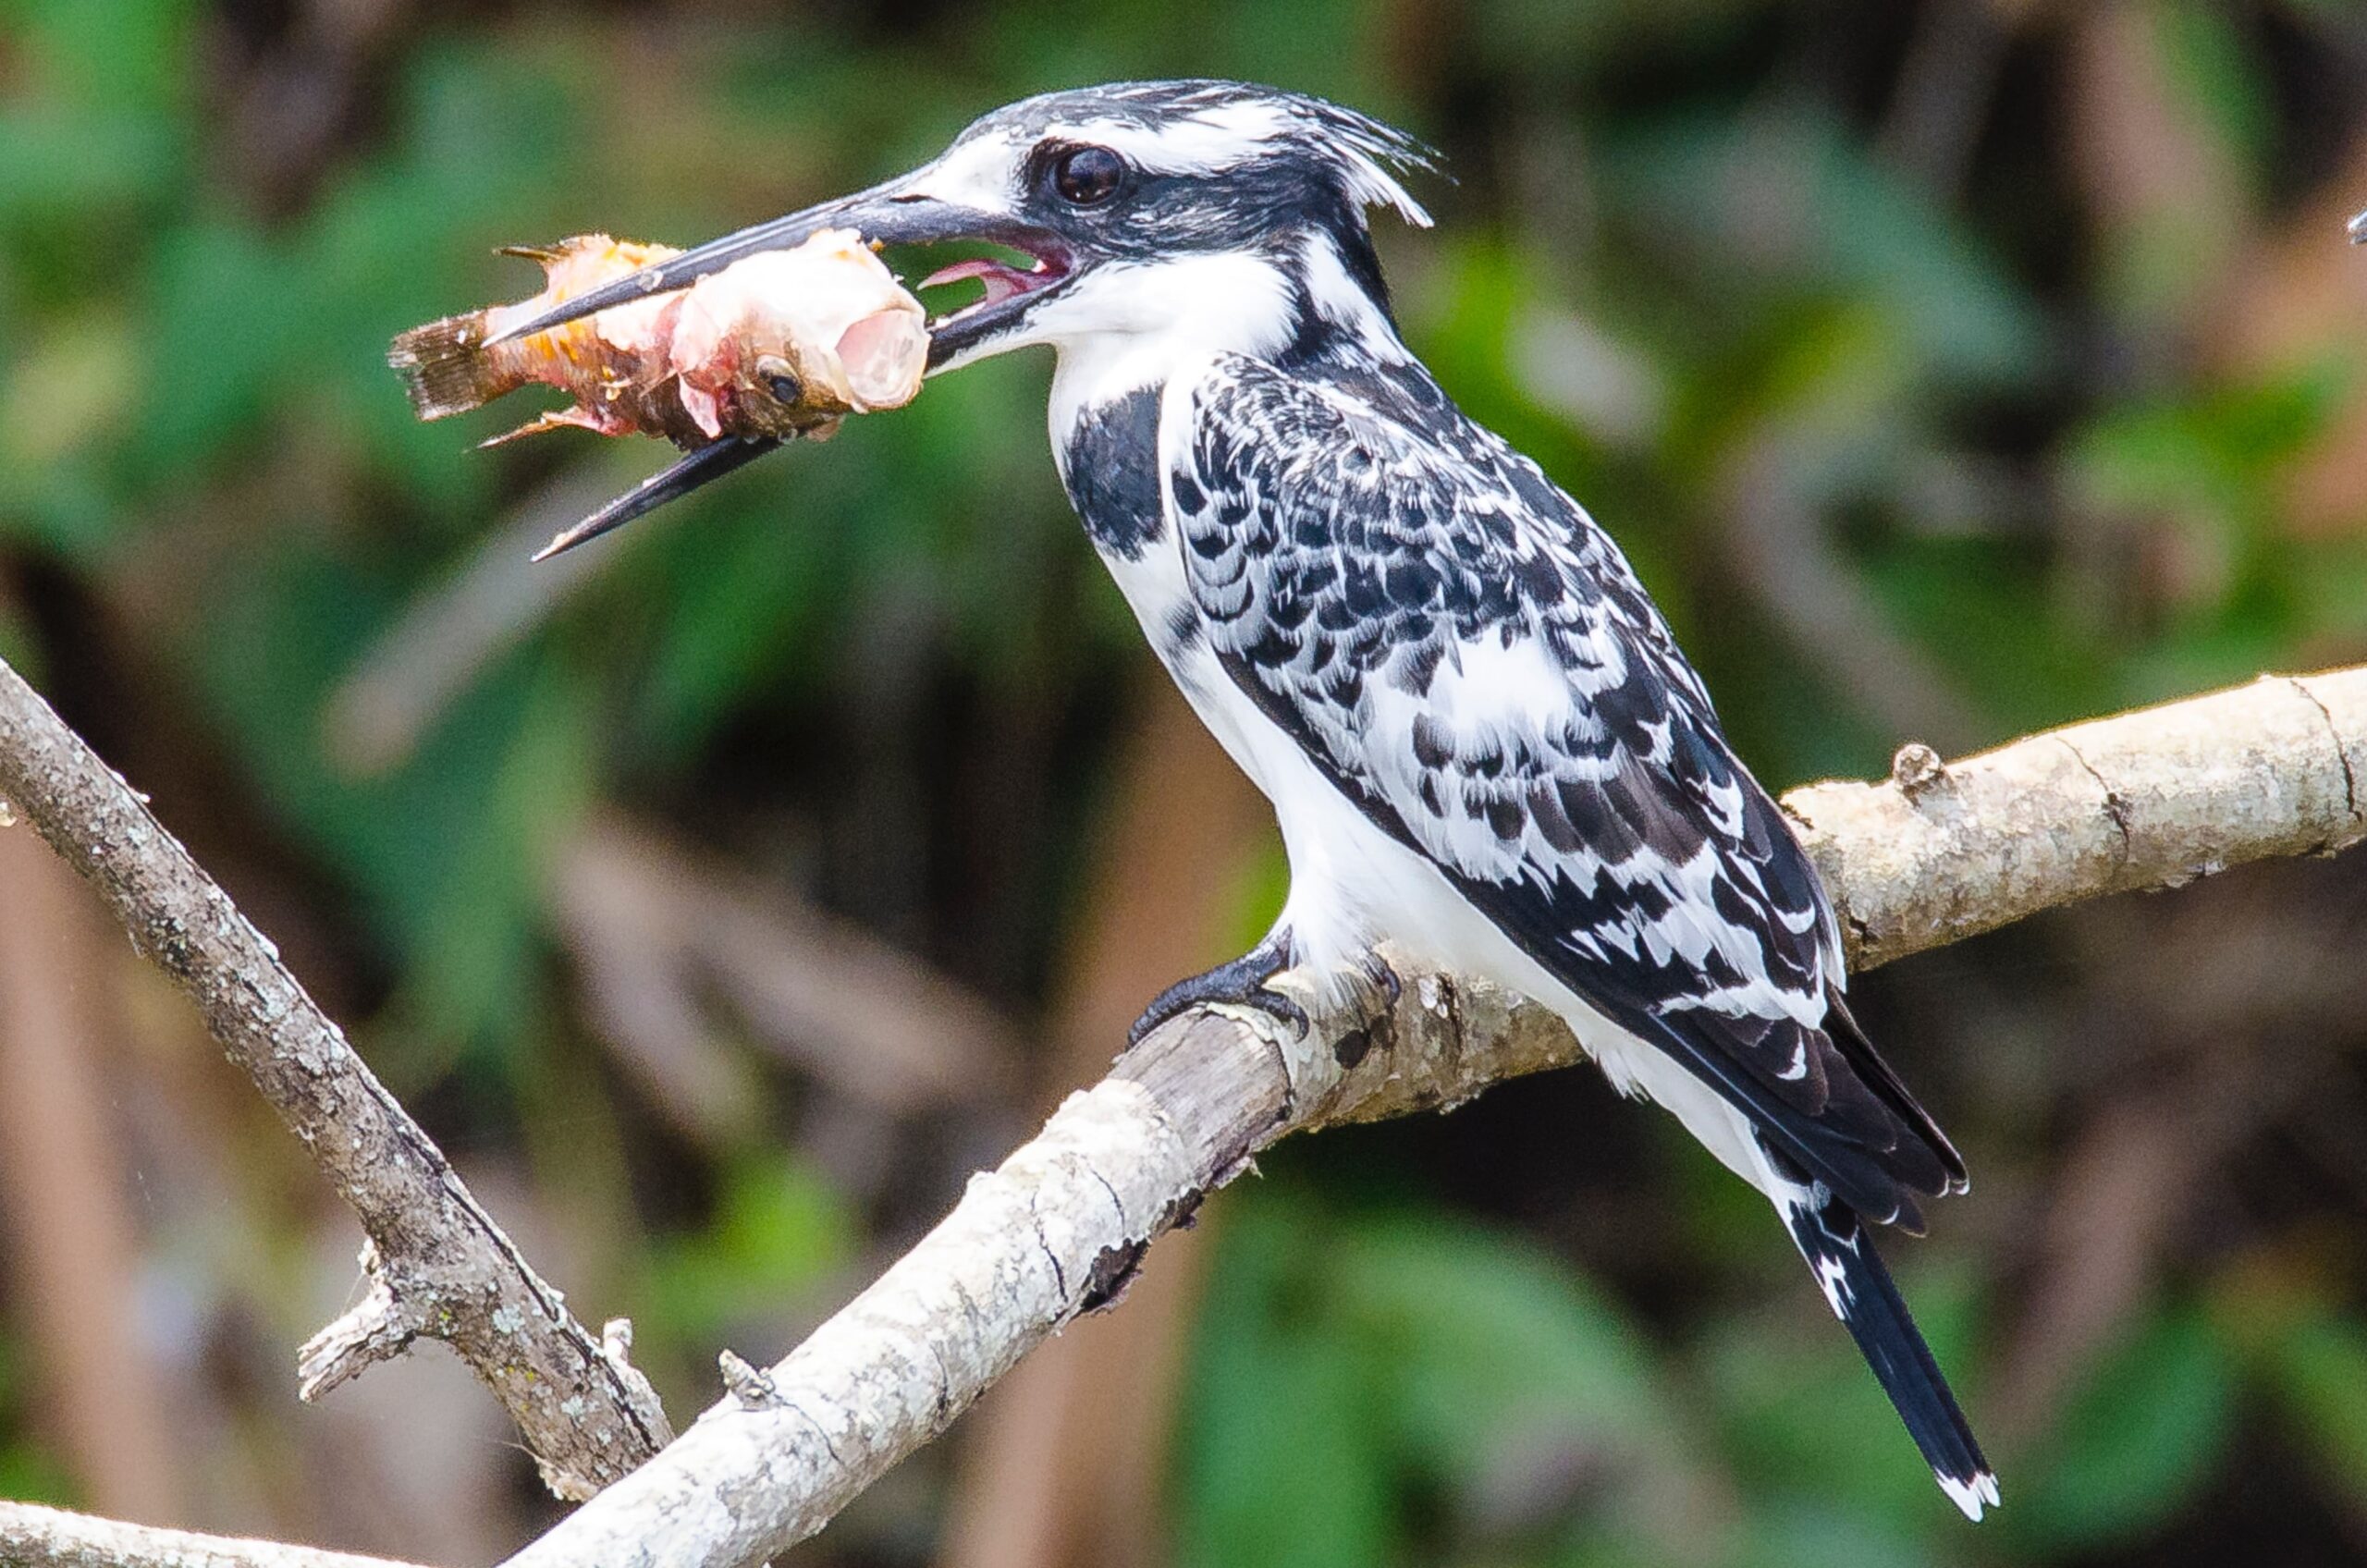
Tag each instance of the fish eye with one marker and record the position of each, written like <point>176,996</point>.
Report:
<point>779,380</point>
<point>1087,176</point>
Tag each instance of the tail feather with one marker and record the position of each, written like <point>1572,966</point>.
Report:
<point>446,368</point>
<point>1833,1240</point>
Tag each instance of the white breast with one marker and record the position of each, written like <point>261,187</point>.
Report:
<point>1352,882</point>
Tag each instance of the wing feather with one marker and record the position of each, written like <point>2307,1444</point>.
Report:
<point>1472,661</point>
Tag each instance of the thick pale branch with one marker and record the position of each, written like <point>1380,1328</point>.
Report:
<point>51,1538</point>
<point>2149,799</point>
<point>439,1266</point>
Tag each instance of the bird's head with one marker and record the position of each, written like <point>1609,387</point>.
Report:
<point>1208,215</point>
<point>1147,208</point>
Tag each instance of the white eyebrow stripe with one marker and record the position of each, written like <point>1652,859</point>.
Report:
<point>979,173</point>
<point>1202,143</point>
<point>984,171</point>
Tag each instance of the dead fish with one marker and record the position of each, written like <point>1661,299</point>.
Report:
<point>781,344</point>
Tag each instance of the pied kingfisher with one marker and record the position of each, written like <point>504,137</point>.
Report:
<point>1479,739</point>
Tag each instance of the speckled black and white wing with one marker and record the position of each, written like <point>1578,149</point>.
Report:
<point>1472,662</point>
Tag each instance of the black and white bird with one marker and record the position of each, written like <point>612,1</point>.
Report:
<point>1479,739</point>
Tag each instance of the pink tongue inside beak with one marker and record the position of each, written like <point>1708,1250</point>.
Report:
<point>1002,281</point>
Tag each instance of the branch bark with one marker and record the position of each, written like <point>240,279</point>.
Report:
<point>2145,800</point>
<point>440,1267</point>
<point>2149,799</point>
<point>51,1538</point>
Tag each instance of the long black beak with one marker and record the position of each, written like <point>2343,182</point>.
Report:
<point>887,214</point>
<point>685,474</point>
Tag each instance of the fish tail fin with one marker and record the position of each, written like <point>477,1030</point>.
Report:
<point>445,367</point>
<point>1832,1238</point>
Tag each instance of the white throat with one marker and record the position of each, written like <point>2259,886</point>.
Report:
<point>1129,325</point>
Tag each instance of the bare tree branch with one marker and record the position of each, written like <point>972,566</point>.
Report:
<point>2147,800</point>
<point>2151,799</point>
<point>51,1538</point>
<point>440,1267</point>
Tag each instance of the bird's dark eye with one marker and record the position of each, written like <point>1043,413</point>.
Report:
<point>1088,175</point>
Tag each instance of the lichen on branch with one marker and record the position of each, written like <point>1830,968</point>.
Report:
<point>2149,799</point>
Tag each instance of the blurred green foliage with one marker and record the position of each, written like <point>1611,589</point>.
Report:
<point>778,1229</point>
<point>26,1472</point>
<point>1352,1369</point>
<point>1692,263</point>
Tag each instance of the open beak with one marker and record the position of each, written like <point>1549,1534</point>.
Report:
<point>892,213</point>
<point>685,474</point>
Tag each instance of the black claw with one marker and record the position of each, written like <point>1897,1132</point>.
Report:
<point>1241,982</point>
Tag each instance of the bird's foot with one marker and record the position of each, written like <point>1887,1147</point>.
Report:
<point>1241,982</point>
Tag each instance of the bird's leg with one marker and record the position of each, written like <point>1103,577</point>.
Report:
<point>1241,982</point>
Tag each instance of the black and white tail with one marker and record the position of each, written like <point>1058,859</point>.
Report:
<point>1833,1239</point>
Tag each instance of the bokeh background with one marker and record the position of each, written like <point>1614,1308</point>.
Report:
<point>721,896</point>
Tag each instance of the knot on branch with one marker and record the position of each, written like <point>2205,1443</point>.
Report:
<point>747,1383</point>
<point>1917,768</point>
<point>1112,1274</point>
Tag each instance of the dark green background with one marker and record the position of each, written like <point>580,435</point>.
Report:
<point>1948,369</point>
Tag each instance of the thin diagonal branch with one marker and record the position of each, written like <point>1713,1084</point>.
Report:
<point>2149,799</point>
<point>440,1267</point>
<point>2146,799</point>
